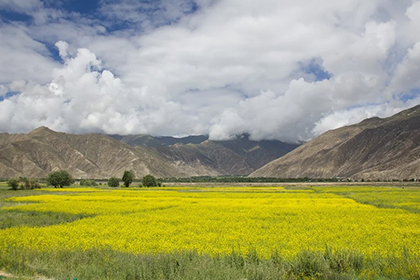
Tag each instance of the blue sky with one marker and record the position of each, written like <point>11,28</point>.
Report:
<point>271,69</point>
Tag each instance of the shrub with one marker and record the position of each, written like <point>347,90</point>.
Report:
<point>113,182</point>
<point>88,183</point>
<point>23,183</point>
<point>34,184</point>
<point>27,185</point>
<point>13,184</point>
<point>150,181</point>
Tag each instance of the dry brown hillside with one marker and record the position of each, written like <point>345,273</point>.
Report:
<point>100,156</point>
<point>89,156</point>
<point>373,149</point>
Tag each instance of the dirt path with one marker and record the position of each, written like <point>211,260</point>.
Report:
<point>8,275</point>
<point>4,274</point>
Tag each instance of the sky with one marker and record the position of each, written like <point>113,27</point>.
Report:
<point>273,69</point>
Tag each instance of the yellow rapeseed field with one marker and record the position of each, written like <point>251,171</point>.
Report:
<point>221,220</point>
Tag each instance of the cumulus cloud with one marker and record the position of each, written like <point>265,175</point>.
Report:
<point>406,76</point>
<point>286,70</point>
<point>23,58</point>
<point>293,115</point>
<point>84,98</point>
<point>352,115</point>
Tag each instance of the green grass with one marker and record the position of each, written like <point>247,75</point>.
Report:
<point>109,264</point>
<point>14,218</point>
<point>405,198</point>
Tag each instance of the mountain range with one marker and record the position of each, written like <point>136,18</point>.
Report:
<point>43,150</point>
<point>374,149</point>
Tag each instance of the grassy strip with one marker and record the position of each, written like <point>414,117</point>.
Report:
<point>109,264</point>
<point>390,198</point>
<point>15,218</point>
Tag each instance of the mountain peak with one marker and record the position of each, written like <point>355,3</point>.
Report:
<point>41,130</point>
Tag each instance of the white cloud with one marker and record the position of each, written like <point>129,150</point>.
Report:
<point>22,57</point>
<point>413,12</point>
<point>353,115</point>
<point>407,74</point>
<point>293,116</point>
<point>227,68</point>
<point>83,98</point>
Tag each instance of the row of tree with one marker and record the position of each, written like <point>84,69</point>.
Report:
<point>62,178</point>
<point>128,178</point>
<point>246,179</point>
<point>23,183</point>
<point>58,179</point>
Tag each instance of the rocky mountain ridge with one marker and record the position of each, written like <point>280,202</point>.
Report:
<point>373,149</point>
<point>43,150</point>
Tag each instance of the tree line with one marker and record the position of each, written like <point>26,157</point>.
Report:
<point>62,178</point>
<point>23,183</point>
<point>245,179</point>
<point>128,178</point>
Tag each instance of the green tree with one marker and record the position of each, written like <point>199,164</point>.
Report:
<point>60,179</point>
<point>13,184</point>
<point>128,178</point>
<point>34,184</point>
<point>113,182</point>
<point>88,183</point>
<point>149,181</point>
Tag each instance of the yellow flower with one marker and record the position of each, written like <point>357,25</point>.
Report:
<point>220,220</point>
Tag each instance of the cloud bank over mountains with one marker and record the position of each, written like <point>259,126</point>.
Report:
<point>286,70</point>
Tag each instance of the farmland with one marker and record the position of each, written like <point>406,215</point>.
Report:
<point>230,232</point>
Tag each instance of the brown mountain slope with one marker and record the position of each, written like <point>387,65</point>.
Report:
<point>199,156</point>
<point>96,156</point>
<point>373,149</point>
<point>206,159</point>
<point>100,156</point>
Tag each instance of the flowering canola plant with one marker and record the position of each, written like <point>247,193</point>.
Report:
<point>218,221</point>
